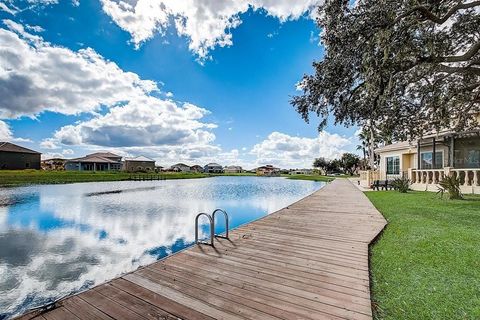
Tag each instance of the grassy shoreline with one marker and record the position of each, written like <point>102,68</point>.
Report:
<point>310,178</point>
<point>16,178</point>
<point>32,177</point>
<point>426,263</point>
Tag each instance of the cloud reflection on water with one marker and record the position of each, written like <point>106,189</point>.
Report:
<point>58,239</point>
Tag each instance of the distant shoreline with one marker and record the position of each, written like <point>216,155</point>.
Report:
<point>19,178</point>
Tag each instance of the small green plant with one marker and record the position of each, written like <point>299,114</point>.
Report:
<point>401,184</point>
<point>451,184</point>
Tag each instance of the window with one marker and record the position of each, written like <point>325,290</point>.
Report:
<point>427,163</point>
<point>393,165</point>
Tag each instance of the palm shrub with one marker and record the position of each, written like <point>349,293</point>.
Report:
<point>451,184</point>
<point>401,184</point>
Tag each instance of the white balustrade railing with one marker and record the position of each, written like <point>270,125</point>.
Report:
<point>468,177</point>
<point>367,177</point>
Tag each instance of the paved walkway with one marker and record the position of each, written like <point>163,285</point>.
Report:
<point>307,261</point>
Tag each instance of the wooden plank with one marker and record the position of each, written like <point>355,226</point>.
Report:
<point>134,304</point>
<point>158,300</point>
<point>306,261</point>
<point>108,306</point>
<point>180,297</point>
<point>316,301</point>
<point>83,309</point>
<point>59,314</point>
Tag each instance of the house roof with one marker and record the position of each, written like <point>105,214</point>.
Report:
<point>92,159</point>
<point>396,146</point>
<point>213,164</point>
<point>104,155</point>
<point>233,167</point>
<point>180,165</point>
<point>268,167</point>
<point>140,159</point>
<point>10,147</point>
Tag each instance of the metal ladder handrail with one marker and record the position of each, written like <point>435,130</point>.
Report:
<point>225,214</point>
<point>212,229</point>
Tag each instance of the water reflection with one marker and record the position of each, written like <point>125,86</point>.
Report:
<point>58,239</point>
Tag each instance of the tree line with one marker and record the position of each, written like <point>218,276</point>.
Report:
<point>348,163</point>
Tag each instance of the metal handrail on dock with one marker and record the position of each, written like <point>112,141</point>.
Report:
<point>211,219</point>
<point>225,214</point>
<point>212,229</point>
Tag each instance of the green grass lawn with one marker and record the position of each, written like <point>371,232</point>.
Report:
<point>10,178</point>
<point>310,177</point>
<point>426,264</point>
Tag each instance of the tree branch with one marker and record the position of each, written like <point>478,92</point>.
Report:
<point>464,70</point>
<point>434,18</point>
<point>464,57</point>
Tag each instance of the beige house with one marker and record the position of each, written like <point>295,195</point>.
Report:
<point>233,169</point>
<point>100,161</point>
<point>140,163</point>
<point>268,171</point>
<point>426,161</point>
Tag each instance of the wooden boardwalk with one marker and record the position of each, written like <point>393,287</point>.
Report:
<point>307,261</point>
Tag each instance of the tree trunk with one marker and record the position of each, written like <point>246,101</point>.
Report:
<point>371,147</point>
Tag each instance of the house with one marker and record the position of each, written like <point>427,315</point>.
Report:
<point>100,161</point>
<point>139,163</point>
<point>233,169</point>
<point>196,168</point>
<point>213,168</point>
<point>180,167</point>
<point>15,157</point>
<point>57,164</point>
<point>426,161</point>
<point>301,172</point>
<point>268,171</point>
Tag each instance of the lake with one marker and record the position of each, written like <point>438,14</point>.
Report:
<point>56,240</point>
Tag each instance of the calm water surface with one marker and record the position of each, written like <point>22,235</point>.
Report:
<point>58,239</point>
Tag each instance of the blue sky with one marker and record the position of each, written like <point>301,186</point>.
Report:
<point>191,82</point>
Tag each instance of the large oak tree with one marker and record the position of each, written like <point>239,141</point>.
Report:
<point>397,68</point>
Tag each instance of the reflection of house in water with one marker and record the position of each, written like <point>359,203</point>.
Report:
<point>100,161</point>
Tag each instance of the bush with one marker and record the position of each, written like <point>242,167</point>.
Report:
<point>401,184</point>
<point>451,184</point>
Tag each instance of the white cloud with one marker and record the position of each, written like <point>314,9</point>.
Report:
<point>49,144</point>
<point>67,152</point>
<point>288,151</point>
<point>36,76</point>
<point>144,122</point>
<point>12,10</point>
<point>6,134</point>
<point>206,23</point>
